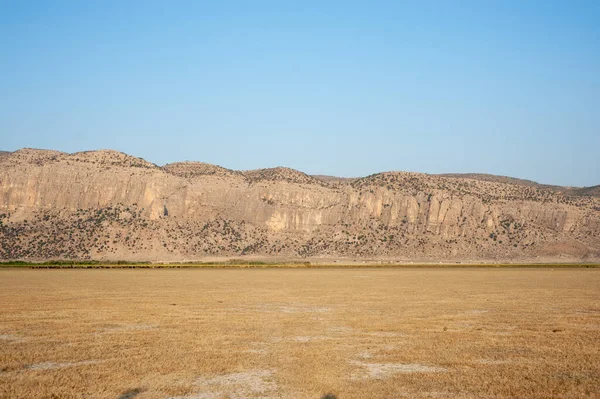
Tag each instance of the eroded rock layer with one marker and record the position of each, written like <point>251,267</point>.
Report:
<point>109,205</point>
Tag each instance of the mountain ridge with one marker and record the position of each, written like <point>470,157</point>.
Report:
<point>326,178</point>
<point>106,204</point>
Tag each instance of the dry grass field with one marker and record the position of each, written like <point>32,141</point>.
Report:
<point>353,333</point>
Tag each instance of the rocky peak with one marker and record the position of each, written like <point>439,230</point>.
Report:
<point>33,156</point>
<point>279,174</point>
<point>194,169</point>
<point>109,158</point>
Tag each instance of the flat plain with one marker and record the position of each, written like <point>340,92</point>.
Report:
<point>300,333</point>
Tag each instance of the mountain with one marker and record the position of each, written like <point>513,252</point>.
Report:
<point>499,179</point>
<point>109,205</point>
<point>593,191</point>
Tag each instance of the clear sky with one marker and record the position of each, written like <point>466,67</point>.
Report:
<point>328,87</point>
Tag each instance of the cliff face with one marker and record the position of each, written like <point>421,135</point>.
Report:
<point>105,204</point>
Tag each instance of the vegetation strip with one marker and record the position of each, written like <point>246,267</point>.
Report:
<point>267,265</point>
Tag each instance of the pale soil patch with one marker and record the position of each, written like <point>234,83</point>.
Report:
<point>386,334</point>
<point>504,330</point>
<point>260,351</point>
<point>310,338</point>
<point>12,339</point>
<point>302,339</point>
<point>477,311</point>
<point>386,370</point>
<point>53,365</point>
<point>298,309</point>
<point>258,384</point>
<point>258,348</point>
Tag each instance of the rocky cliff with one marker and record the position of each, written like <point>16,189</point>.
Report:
<point>109,205</point>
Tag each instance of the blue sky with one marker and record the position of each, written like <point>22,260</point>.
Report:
<point>328,87</point>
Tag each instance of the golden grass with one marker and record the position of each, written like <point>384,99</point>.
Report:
<point>357,333</point>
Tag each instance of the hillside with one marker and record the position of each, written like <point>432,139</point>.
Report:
<point>593,191</point>
<point>109,205</point>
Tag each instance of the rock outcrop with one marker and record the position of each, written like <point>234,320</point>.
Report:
<point>109,205</point>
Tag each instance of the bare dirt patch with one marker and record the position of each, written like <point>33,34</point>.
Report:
<point>11,339</point>
<point>294,309</point>
<point>386,334</point>
<point>248,384</point>
<point>385,370</point>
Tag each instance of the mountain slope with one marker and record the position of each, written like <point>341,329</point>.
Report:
<point>109,205</point>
